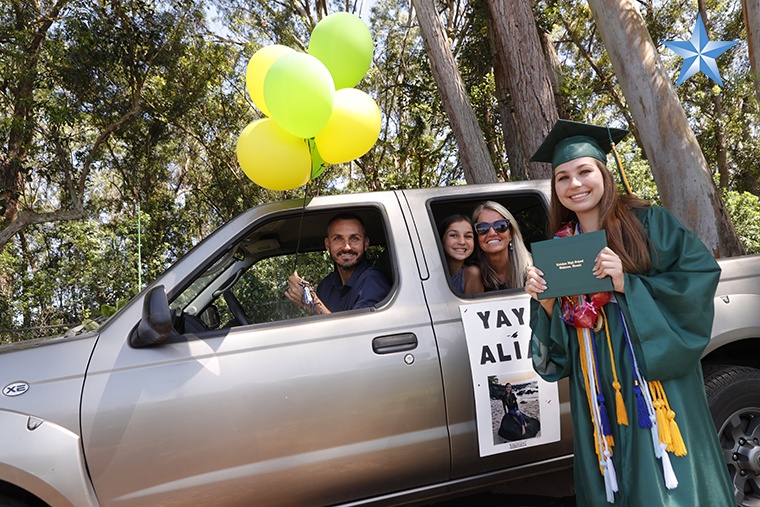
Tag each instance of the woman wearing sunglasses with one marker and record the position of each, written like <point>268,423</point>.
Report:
<point>458,239</point>
<point>504,259</point>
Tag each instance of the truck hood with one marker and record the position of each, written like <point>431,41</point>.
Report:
<point>43,378</point>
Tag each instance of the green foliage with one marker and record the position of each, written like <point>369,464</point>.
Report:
<point>141,103</point>
<point>744,210</point>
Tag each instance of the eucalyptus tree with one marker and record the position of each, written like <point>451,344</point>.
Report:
<point>107,105</point>
<point>679,167</point>
<point>473,151</point>
<point>751,11</point>
<point>525,76</point>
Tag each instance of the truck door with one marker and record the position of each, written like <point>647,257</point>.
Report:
<point>310,410</point>
<point>529,207</point>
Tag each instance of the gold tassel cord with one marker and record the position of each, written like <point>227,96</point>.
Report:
<point>621,412</point>
<point>671,432</point>
<point>621,170</point>
<point>589,395</point>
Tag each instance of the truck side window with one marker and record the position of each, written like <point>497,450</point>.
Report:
<point>526,207</point>
<point>247,284</point>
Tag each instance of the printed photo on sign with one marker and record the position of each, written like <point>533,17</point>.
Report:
<point>514,407</point>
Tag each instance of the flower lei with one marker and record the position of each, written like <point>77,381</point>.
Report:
<point>581,311</point>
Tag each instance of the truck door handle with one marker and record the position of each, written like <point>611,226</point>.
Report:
<point>394,343</point>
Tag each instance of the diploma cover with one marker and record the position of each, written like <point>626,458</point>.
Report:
<point>568,264</point>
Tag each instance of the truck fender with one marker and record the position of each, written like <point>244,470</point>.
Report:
<point>736,318</point>
<point>44,459</point>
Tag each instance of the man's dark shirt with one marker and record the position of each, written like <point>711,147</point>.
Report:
<point>366,287</point>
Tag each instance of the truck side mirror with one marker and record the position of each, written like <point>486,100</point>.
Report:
<point>156,323</point>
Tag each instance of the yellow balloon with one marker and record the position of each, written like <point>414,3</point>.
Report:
<point>273,158</point>
<point>257,69</point>
<point>352,129</point>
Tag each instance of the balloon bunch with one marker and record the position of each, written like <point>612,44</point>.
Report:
<point>314,116</point>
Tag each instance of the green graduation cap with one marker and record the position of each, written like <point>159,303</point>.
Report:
<point>569,140</point>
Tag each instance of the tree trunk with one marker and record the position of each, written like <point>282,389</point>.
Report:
<point>751,11</point>
<point>518,162</point>
<point>718,118</point>
<point>22,123</point>
<point>678,165</point>
<point>531,98</point>
<point>473,151</point>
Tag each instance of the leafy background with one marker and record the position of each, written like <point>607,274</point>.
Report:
<point>140,103</point>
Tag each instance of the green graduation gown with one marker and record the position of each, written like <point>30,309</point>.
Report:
<point>669,314</point>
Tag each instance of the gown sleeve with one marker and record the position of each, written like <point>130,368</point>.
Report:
<point>549,343</point>
<point>671,308</point>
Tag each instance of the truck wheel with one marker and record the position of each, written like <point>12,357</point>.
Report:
<point>11,502</point>
<point>733,394</point>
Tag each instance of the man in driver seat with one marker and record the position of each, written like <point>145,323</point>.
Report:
<point>353,284</point>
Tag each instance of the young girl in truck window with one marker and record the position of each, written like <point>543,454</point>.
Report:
<point>642,430</point>
<point>504,258</point>
<point>458,239</point>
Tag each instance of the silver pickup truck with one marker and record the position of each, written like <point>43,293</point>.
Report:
<point>211,388</point>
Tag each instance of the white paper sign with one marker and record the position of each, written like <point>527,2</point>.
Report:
<point>498,343</point>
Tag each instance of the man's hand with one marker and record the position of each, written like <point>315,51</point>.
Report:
<point>295,293</point>
<point>295,289</point>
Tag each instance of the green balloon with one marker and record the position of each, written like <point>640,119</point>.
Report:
<point>318,164</point>
<point>343,43</point>
<point>299,92</point>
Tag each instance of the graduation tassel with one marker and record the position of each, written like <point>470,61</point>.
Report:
<point>620,412</point>
<point>611,470</point>
<point>610,477</point>
<point>655,438</point>
<point>622,415</point>
<point>584,355</point>
<point>679,447</point>
<point>621,170</point>
<point>676,444</point>
<point>641,407</point>
<point>608,483</point>
<point>662,414</point>
<point>604,417</point>
<point>651,408</point>
<point>606,426</point>
<point>671,481</point>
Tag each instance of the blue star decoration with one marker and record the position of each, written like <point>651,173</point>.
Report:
<point>699,53</point>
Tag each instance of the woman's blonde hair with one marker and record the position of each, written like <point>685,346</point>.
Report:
<point>519,256</point>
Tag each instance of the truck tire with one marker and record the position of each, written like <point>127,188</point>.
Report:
<point>733,394</point>
<point>6,501</point>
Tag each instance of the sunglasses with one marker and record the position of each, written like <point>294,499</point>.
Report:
<point>482,228</point>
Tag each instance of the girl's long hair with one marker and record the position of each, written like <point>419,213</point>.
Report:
<point>519,256</point>
<point>625,234</point>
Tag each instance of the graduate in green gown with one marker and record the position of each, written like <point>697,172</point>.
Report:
<point>643,434</point>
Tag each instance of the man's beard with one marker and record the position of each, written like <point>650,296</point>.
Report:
<point>350,263</point>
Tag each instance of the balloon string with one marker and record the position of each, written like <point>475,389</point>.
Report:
<point>300,225</point>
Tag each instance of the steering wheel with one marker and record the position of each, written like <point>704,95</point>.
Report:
<point>235,308</point>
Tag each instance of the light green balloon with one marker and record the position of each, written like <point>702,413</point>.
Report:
<point>299,92</point>
<point>343,43</point>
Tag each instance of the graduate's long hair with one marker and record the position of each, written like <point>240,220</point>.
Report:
<point>625,234</point>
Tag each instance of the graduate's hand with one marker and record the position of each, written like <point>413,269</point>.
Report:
<point>534,282</point>
<point>607,263</point>
<point>534,285</point>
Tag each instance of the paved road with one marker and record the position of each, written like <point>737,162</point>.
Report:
<point>504,500</point>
